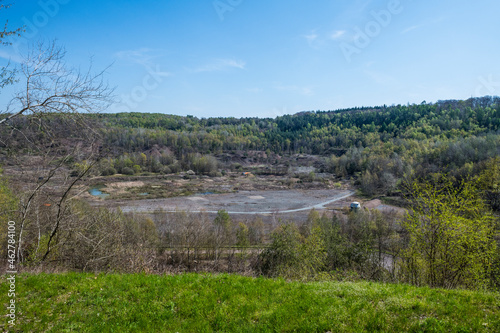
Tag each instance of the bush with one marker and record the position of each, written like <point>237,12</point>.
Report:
<point>450,236</point>
<point>166,170</point>
<point>109,172</point>
<point>292,256</point>
<point>128,171</point>
<point>137,169</point>
<point>283,257</point>
<point>100,239</point>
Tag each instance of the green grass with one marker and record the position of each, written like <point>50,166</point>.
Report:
<point>229,303</point>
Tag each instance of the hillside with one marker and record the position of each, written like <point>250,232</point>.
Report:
<point>231,303</point>
<point>377,147</point>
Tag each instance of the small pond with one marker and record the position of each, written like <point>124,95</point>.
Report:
<point>96,192</point>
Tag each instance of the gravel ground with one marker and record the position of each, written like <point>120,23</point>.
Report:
<point>242,202</point>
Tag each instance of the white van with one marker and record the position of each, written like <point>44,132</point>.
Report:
<point>355,205</point>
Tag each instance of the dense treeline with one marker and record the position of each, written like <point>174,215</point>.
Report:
<point>318,132</point>
<point>400,129</point>
<point>377,146</point>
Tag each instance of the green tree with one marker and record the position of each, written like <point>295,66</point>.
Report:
<point>313,253</point>
<point>335,243</point>
<point>292,256</point>
<point>143,159</point>
<point>222,231</point>
<point>313,219</point>
<point>242,234</point>
<point>450,236</point>
<point>137,168</point>
<point>489,182</point>
<point>256,231</point>
<point>283,257</point>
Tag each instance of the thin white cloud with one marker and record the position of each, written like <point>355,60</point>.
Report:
<point>220,65</point>
<point>319,40</point>
<point>140,56</point>
<point>163,74</point>
<point>413,27</point>
<point>305,91</point>
<point>311,37</point>
<point>255,90</point>
<point>143,57</point>
<point>337,34</point>
<point>418,26</point>
<point>12,57</point>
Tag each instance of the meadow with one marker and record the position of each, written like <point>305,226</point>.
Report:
<point>79,302</point>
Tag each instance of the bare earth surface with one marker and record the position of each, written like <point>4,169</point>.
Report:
<point>242,202</point>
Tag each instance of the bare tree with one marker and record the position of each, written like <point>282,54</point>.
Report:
<point>52,87</point>
<point>43,131</point>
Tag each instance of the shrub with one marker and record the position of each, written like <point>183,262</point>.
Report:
<point>450,236</point>
<point>127,171</point>
<point>137,168</point>
<point>292,256</point>
<point>109,171</point>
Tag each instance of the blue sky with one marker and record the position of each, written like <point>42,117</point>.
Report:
<point>267,58</point>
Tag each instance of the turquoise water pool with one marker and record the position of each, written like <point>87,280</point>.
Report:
<point>96,191</point>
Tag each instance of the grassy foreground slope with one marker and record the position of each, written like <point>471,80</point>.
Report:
<point>229,303</point>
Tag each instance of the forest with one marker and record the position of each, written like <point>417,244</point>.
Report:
<point>377,147</point>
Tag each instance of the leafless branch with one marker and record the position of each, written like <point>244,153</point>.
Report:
<point>52,87</point>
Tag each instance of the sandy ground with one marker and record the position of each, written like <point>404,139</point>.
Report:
<point>121,187</point>
<point>372,204</point>
<point>377,204</point>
